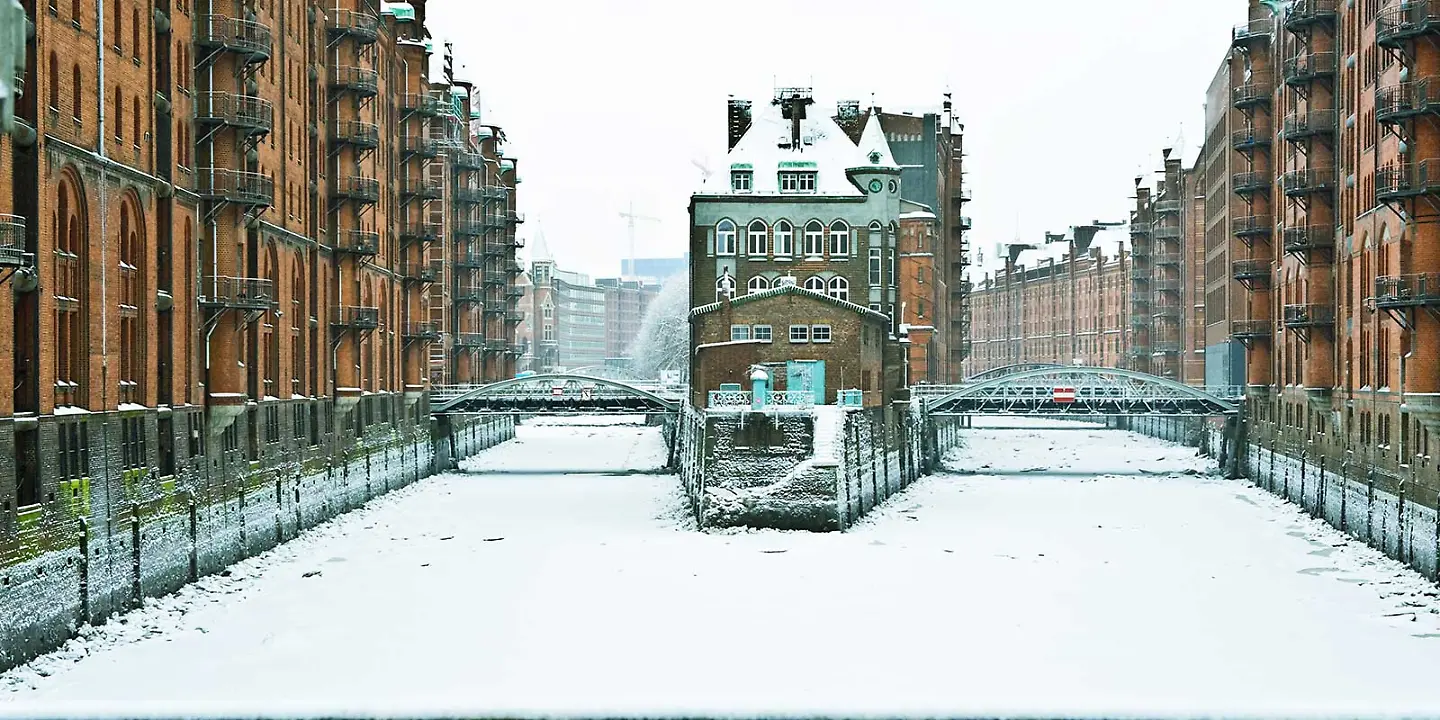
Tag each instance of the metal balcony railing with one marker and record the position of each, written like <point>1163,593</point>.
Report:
<point>1141,274</point>
<point>1166,232</point>
<point>420,331</point>
<point>1165,284</point>
<point>1251,329</point>
<point>235,186</point>
<point>355,132</point>
<point>1249,138</point>
<point>421,188</point>
<point>1166,312</point>
<point>1396,103</point>
<point>1407,180</point>
<point>514,292</point>
<point>419,145</point>
<point>1166,258</point>
<point>425,271</point>
<point>469,195</point>
<point>965,223</point>
<point>357,317</point>
<point>497,248</point>
<point>1259,91</point>
<point>12,241</point>
<point>514,316</point>
<point>1405,21</point>
<point>1401,291</point>
<point>496,345</point>
<point>1253,32</point>
<point>1246,270</point>
<point>359,25</point>
<point>1139,228</point>
<point>1306,125</point>
<point>1249,183</point>
<point>247,38</point>
<point>1251,226</point>
<point>237,293</point>
<point>423,104</point>
<point>515,217</point>
<point>356,188</point>
<point>469,295</point>
<point>469,340</point>
<point>469,161</point>
<point>494,280</point>
<point>1299,183</point>
<point>1306,68</point>
<point>494,310</point>
<point>357,242</point>
<point>470,260</point>
<point>1302,240</point>
<point>244,112</point>
<point>1304,13</point>
<point>469,228</point>
<point>1165,346</point>
<point>1167,207</point>
<point>419,232</point>
<point>359,80</point>
<point>1305,315</point>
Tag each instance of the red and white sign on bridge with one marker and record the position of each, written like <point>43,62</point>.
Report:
<point>1063,395</point>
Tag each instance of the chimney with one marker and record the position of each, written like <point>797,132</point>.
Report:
<point>797,113</point>
<point>739,120</point>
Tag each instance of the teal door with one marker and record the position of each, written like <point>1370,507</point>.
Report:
<point>806,375</point>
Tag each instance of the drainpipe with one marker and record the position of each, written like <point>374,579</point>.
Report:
<point>104,202</point>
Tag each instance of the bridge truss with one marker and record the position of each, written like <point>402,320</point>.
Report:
<point>1079,390</point>
<point>555,393</point>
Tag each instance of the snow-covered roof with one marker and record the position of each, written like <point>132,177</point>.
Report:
<point>1109,240</point>
<point>874,148</point>
<point>788,290</point>
<point>766,149</point>
<point>911,210</point>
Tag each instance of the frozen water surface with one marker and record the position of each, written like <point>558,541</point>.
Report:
<point>1074,570</point>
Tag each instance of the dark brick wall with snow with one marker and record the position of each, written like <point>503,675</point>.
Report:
<point>117,547</point>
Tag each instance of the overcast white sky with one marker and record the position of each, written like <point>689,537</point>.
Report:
<point>612,102</point>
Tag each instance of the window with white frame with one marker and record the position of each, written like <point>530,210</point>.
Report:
<point>725,238</point>
<point>758,283</point>
<point>548,332</point>
<point>799,333</point>
<point>839,238</point>
<point>740,180</point>
<point>724,287</point>
<point>840,288</point>
<point>892,267</point>
<point>756,237</point>
<point>814,239</point>
<point>875,267</point>
<point>877,233</point>
<point>820,333</point>
<point>547,310</point>
<point>784,239</point>
<point>739,332</point>
<point>815,283</point>
<point>763,333</point>
<point>797,182</point>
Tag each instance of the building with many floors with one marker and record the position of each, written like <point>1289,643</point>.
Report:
<point>626,302</point>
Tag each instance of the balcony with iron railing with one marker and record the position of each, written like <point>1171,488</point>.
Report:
<point>424,232</point>
<point>1303,14</point>
<point>362,26</point>
<point>1308,315</point>
<point>1141,320</point>
<point>424,271</point>
<point>356,189</point>
<point>1256,92</point>
<point>419,145</point>
<point>420,332</point>
<point>1406,21</point>
<point>235,293</point>
<point>1139,228</point>
<point>515,218</point>
<point>1251,182</point>
<point>421,188</point>
<point>1249,227</point>
<point>469,161</point>
<point>469,341</point>
<point>1168,347</point>
<point>1249,138</point>
<point>514,292</point>
<point>496,345</point>
<point>249,39</point>
<point>1253,33</point>
<point>1306,125</point>
<point>1250,270</point>
<point>1166,207</point>
<point>1140,274</point>
<point>495,309</point>
<point>350,78</point>
<point>1315,181</point>
<point>496,248</point>
<point>1303,240</point>
<point>1307,68</point>
<point>1397,103</point>
<point>1407,180</point>
<point>470,260</point>
<point>965,223</point>
<point>249,114</point>
<point>469,228</point>
<point>1167,232</point>
<point>1166,311</point>
<point>1165,284</point>
<point>514,316</point>
<point>357,242</point>
<point>469,195</point>
<point>468,295</point>
<point>357,133</point>
<point>235,186</point>
<point>1251,329</point>
<point>493,279</point>
<point>357,317</point>
<point>1404,291</point>
<point>12,242</point>
<point>1169,258</point>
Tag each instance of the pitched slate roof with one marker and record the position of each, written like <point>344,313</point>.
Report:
<point>789,290</point>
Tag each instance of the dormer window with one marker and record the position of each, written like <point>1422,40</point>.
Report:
<point>797,182</point>
<point>740,180</point>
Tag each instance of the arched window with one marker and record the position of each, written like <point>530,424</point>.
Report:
<point>784,239</point>
<point>725,238</point>
<point>75,11</point>
<point>76,83</point>
<point>135,32</point>
<point>877,233</point>
<point>814,239</point>
<point>119,114</point>
<point>135,120</point>
<point>724,287</point>
<point>756,238</point>
<point>758,283</point>
<point>815,283</point>
<point>71,292</point>
<point>116,30</point>
<point>132,336</point>
<point>839,238</point>
<point>839,288</point>
<point>54,81</point>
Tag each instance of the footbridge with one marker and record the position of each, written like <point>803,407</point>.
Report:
<point>1077,390</point>
<point>557,393</point>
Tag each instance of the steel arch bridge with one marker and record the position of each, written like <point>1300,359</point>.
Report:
<point>554,393</point>
<point>1096,391</point>
<point>1005,370</point>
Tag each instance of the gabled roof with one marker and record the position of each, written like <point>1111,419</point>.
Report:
<point>874,148</point>
<point>789,290</point>
<point>824,148</point>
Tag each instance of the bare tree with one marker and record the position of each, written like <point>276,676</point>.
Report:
<point>663,343</point>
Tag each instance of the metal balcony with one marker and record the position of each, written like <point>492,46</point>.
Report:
<point>12,242</point>
<point>1250,138</point>
<point>469,228</point>
<point>423,271</point>
<point>1404,291</point>
<point>423,104</point>
<point>1251,329</point>
<point>1303,240</point>
<point>470,261</point>
<point>1407,180</point>
<point>1307,68</point>
<point>514,292</point>
<point>419,145</point>
<point>515,218</point>
<point>421,188</point>
<point>356,188</point>
<point>1300,183</point>
<point>1139,228</point>
<point>514,316</point>
<point>1165,285</point>
<point>420,332</point>
<point>1250,270</point>
<point>1141,322</point>
<point>1252,34</point>
<point>1167,207</point>
<point>1406,21</point>
<point>496,249</point>
<point>423,232</point>
<point>1167,232</point>
<point>468,295</point>
<point>1308,315</point>
<point>1314,124</point>
<point>356,133</point>
<point>965,223</point>
<point>234,293</point>
<point>494,310</point>
<point>493,279</point>
<point>469,340</point>
<point>1250,183</point>
<point>349,78</point>
<point>246,38</point>
<point>469,161</point>
<point>494,345</point>
<point>357,242</point>
<point>235,186</point>
<point>1166,312</point>
<point>1140,274</point>
<point>251,115</point>
<point>1252,226</point>
<point>357,317</point>
<point>1255,93</point>
<point>364,27</point>
<point>1166,258</point>
<point>1169,347</point>
<point>1306,13</point>
<point>469,195</point>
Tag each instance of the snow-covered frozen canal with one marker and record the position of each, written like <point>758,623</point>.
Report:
<point>1089,571</point>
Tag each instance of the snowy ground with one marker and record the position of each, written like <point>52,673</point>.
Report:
<point>1117,582</point>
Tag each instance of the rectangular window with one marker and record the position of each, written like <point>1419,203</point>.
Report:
<point>799,333</point>
<point>820,333</point>
<point>874,267</point>
<point>807,182</point>
<point>797,182</point>
<point>892,267</point>
<point>739,332</point>
<point>740,181</point>
<point>761,333</point>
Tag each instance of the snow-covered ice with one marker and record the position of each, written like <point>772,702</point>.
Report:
<point>1092,572</point>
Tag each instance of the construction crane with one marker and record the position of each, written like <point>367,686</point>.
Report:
<point>630,218</point>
